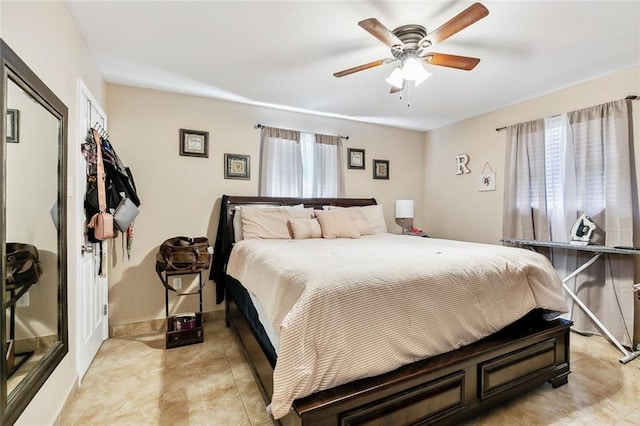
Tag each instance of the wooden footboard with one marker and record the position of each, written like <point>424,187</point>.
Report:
<point>443,389</point>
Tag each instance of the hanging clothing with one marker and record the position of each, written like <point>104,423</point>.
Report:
<point>119,183</point>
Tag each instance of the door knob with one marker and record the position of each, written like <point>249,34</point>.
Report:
<point>86,249</point>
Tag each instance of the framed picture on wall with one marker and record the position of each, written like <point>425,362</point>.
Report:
<point>194,143</point>
<point>381,169</point>
<point>356,158</point>
<point>237,166</point>
<point>13,125</point>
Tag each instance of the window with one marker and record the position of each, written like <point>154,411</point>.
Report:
<point>566,165</point>
<point>555,161</point>
<point>299,164</point>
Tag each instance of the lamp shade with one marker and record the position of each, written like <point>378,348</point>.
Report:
<point>414,71</point>
<point>396,79</point>
<point>404,209</point>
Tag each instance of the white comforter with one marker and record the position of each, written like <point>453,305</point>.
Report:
<point>347,309</point>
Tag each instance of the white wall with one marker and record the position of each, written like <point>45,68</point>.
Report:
<point>46,38</point>
<point>180,195</point>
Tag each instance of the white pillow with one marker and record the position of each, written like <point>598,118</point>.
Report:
<point>237,216</point>
<point>375,216</point>
<point>301,212</point>
<point>305,228</point>
<point>237,224</point>
<point>368,219</point>
<point>265,223</point>
<point>237,219</point>
<point>336,223</point>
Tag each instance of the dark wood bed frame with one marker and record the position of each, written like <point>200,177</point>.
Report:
<point>444,389</point>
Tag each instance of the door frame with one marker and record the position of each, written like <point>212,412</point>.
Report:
<point>84,95</point>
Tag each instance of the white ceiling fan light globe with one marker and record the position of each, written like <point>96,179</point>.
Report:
<point>422,77</point>
<point>414,71</point>
<point>396,78</point>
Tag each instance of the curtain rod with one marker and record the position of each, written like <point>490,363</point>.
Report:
<point>262,126</point>
<point>628,98</point>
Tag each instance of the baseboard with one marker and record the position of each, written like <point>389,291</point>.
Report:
<point>155,325</point>
<point>70,396</point>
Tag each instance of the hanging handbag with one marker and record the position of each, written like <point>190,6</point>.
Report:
<point>125,213</point>
<point>23,265</point>
<point>101,222</point>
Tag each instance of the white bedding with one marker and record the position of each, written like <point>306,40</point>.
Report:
<point>352,308</point>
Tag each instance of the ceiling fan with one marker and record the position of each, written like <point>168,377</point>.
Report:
<point>410,45</point>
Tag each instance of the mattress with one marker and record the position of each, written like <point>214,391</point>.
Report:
<point>346,309</point>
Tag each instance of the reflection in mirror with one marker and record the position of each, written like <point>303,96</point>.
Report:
<point>32,234</point>
<point>31,193</point>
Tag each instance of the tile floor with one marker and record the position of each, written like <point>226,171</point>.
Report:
<point>135,381</point>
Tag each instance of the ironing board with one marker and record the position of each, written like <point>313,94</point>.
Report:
<point>597,251</point>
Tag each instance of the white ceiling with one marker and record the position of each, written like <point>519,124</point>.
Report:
<point>283,54</point>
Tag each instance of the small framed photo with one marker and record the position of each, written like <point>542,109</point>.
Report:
<point>487,182</point>
<point>237,166</point>
<point>13,125</point>
<point>356,158</point>
<point>194,143</point>
<point>381,169</point>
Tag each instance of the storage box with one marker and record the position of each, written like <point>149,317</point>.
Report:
<point>184,329</point>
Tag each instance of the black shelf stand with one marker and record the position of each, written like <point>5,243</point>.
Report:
<point>175,336</point>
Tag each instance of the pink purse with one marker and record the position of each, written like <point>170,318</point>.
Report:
<point>101,222</point>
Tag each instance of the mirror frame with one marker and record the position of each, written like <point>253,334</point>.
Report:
<point>12,67</point>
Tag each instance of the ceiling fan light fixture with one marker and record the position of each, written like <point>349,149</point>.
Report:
<point>414,71</point>
<point>422,77</point>
<point>396,78</point>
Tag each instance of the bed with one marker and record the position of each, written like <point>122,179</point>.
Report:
<point>412,379</point>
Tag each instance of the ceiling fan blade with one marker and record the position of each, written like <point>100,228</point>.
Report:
<point>360,68</point>
<point>379,31</point>
<point>452,61</point>
<point>472,14</point>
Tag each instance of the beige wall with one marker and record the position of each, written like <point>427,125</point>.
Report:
<point>181,195</point>
<point>45,37</point>
<point>461,212</point>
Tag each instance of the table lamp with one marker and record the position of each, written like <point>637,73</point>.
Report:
<point>404,210</point>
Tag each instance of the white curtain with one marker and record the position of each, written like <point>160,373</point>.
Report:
<point>280,163</point>
<point>560,167</point>
<point>299,164</point>
<point>600,140</point>
<point>328,180</point>
<point>525,205</point>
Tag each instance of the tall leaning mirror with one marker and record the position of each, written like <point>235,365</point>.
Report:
<point>33,228</point>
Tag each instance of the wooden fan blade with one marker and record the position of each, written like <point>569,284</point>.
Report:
<point>379,31</point>
<point>360,68</point>
<point>472,14</point>
<point>452,61</point>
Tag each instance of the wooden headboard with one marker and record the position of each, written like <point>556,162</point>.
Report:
<point>230,202</point>
<point>225,234</point>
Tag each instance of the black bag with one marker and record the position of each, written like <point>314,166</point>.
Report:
<point>23,265</point>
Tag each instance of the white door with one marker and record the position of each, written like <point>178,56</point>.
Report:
<point>92,319</point>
